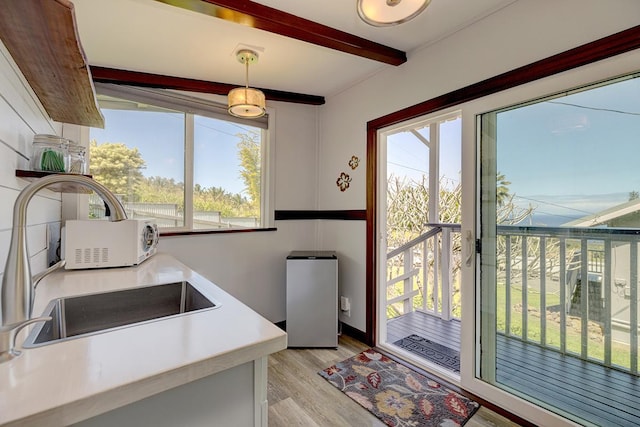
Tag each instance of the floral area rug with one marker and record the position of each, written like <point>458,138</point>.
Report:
<point>396,394</point>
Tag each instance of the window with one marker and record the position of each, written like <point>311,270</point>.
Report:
<point>180,160</point>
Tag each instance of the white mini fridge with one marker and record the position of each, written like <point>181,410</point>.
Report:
<point>312,299</point>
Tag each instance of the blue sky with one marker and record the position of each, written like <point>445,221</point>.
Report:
<point>576,154</point>
<point>408,157</point>
<point>568,157</point>
<point>159,138</point>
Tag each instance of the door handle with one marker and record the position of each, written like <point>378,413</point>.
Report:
<point>470,247</point>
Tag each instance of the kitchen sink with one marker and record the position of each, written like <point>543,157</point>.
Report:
<point>79,316</point>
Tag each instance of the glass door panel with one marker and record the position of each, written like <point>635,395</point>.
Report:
<point>560,223</point>
<point>421,251</point>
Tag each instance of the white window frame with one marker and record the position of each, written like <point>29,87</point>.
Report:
<point>77,205</point>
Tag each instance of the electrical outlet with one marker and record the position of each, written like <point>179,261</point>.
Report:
<point>345,306</point>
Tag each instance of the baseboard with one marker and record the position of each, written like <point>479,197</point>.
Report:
<point>353,332</point>
<point>346,330</point>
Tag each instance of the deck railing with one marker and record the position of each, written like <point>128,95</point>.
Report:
<point>170,215</point>
<point>546,294</point>
<point>585,308</point>
<point>427,268</point>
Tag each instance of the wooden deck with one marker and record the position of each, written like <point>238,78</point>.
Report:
<point>592,392</point>
<point>430,327</point>
<point>589,391</point>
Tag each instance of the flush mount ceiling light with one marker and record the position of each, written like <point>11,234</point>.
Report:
<point>384,13</point>
<point>244,101</point>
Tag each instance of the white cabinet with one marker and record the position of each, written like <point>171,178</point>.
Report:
<point>235,397</point>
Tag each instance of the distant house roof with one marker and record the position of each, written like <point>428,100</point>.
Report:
<point>614,216</point>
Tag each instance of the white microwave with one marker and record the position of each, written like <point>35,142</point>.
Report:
<point>101,243</point>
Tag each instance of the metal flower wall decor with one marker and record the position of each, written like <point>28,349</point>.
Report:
<point>354,162</point>
<point>343,181</point>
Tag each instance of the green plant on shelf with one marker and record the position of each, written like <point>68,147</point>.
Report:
<point>52,161</point>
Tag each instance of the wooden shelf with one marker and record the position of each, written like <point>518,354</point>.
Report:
<point>63,187</point>
<point>42,37</point>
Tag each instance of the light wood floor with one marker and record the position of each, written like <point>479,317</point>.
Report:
<point>298,396</point>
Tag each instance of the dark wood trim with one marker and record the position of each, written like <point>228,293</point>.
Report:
<point>201,232</point>
<point>266,18</point>
<point>29,174</point>
<point>347,215</point>
<point>42,38</point>
<point>137,78</point>
<point>60,187</point>
<point>606,47</point>
<point>353,333</point>
<point>598,50</point>
<point>495,408</point>
<point>371,275</point>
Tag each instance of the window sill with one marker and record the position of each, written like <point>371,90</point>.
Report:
<point>199,232</point>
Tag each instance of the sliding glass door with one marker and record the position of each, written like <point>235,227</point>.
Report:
<point>559,207</point>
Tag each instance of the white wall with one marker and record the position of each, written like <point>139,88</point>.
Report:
<point>21,117</point>
<point>524,32</point>
<point>251,266</point>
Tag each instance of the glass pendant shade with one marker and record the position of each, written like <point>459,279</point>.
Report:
<point>383,13</point>
<point>246,102</point>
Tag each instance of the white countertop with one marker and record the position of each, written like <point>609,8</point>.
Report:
<point>69,381</point>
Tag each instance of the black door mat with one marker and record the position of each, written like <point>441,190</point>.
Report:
<point>431,351</point>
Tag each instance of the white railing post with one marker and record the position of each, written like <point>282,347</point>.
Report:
<point>563,294</point>
<point>425,275</point>
<point>543,290</point>
<point>408,266</point>
<point>607,302</point>
<point>507,285</point>
<point>445,268</point>
<point>436,280</point>
<point>524,268</point>
<point>584,299</point>
<point>633,307</point>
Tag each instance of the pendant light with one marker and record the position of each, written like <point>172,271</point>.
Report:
<point>244,101</point>
<point>384,13</point>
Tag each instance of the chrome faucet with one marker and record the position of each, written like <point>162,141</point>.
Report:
<point>17,290</point>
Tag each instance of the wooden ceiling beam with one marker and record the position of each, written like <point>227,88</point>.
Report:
<point>136,78</point>
<point>256,15</point>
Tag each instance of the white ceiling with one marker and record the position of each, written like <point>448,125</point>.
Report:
<point>153,37</point>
